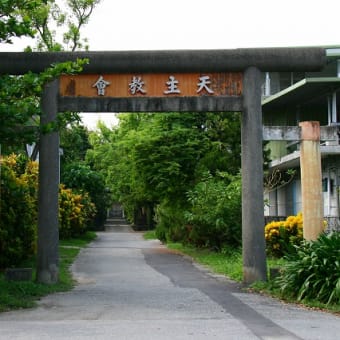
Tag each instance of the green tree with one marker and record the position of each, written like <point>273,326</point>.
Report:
<point>59,26</point>
<point>74,141</point>
<point>13,21</point>
<point>224,133</point>
<point>20,96</point>
<point>20,105</point>
<point>78,175</point>
<point>13,114</point>
<point>153,160</point>
<point>83,179</point>
<point>149,157</point>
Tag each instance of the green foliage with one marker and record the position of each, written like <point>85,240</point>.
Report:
<point>150,235</point>
<point>81,11</point>
<point>163,150</point>
<point>147,159</point>
<point>74,140</point>
<point>210,218</point>
<point>314,271</point>
<point>80,241</point>
<point>13,22</point>
<point>283,236</point>
<point>20,104</point>
<point>77,175</point>
<point>223,131</point>
<point>152,160</point>
<point>170,221</point>
<point>80,177</point>
<point>227,262</point>
<point>52,21</point>
<point>214,219</point>
<point>18,207</point>
<point>20,95</point>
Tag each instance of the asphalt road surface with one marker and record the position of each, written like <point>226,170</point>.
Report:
<point>129,288</point>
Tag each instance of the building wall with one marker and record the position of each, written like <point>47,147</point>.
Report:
<point>330,184</point>
<point>287,201</point>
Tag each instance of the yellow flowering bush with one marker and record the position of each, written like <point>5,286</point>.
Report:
<point>75,212</point>
<point>18,209</point>
<point>281,236</point>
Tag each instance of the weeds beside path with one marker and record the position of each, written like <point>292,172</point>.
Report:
<point>17,295</point>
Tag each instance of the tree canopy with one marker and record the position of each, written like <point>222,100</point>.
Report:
<point>43,20</point>
<point>152,162</point>
<point>13,20</point>
<point>58,25</point>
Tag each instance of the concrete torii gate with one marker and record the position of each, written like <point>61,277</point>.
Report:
<point>249,62</point>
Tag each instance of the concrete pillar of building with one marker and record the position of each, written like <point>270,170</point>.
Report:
<point>311,180</point>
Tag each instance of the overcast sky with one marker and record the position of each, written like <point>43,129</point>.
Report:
<point>206,24</point>
<point>209,24</point>
<point>202,24</point>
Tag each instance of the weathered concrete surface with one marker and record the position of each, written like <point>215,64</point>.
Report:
<point>311,180</point>
<point>159,104</point>
<point>130,288</point>
<point>49,177</point>
<point>266,59</point>
<point>253,240</point>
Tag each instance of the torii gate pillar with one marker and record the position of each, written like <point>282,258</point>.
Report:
<point>253,241</point>
<point>48,224</point>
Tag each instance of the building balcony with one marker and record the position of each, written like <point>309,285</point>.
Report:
<point>292,160</point>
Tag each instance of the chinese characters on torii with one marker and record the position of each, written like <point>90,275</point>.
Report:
<point>101,84</point>
<point>172,86</point>
<point>137,85</point>
<point>203,84</point>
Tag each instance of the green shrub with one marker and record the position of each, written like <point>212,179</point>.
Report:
<point>18,210</point>
<point>282,236</point>
<point>215,217</point>
<point>314,271</point>
<point>170,222</point>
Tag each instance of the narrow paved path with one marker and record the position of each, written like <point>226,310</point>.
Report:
<point>130,288</point>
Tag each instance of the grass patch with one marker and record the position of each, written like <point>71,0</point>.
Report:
<point>17,295</point>
<point>229,263</point>
<point>81,241</point>
<point>150,235</point>
<point>269,288</point>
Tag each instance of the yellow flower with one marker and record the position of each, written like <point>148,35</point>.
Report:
<point>274,232</point>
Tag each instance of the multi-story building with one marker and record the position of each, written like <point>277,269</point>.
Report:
<point>290,98</point>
